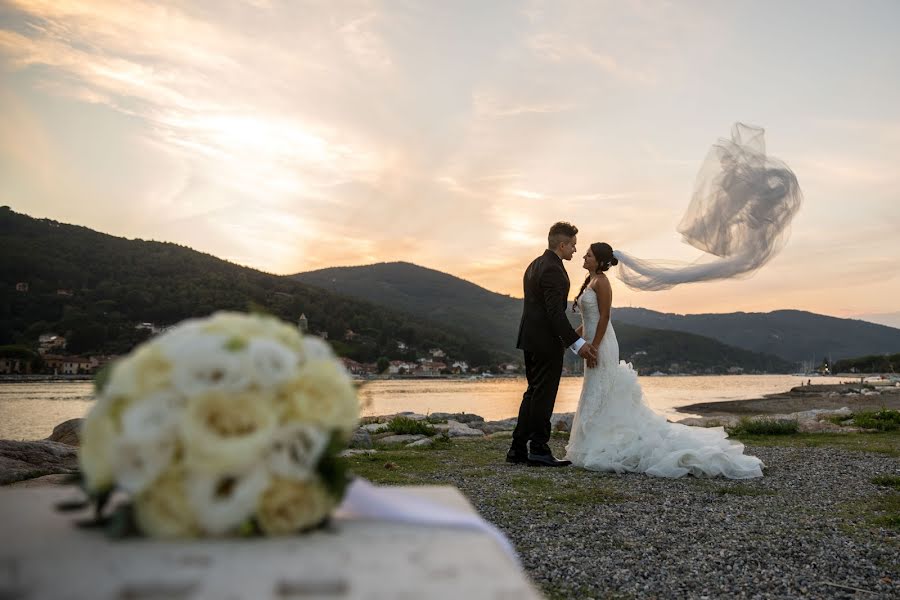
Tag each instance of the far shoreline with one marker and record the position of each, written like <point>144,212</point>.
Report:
<point>803,398</point>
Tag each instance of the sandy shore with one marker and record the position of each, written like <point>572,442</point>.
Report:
<point>803,398</point>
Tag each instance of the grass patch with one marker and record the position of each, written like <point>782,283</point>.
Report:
<point>878,511</point>
<point>891,481</point>
<point>880,443</point>
<point>407,426</point>
<point>442,463</point>
<point>880,420</point>
<point>747,426</point>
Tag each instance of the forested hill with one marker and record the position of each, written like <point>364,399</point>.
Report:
<point>94,288</point>
<point>494,318</point>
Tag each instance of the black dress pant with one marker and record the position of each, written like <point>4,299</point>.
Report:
<point>543,372</point>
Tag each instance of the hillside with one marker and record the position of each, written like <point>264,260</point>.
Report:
<point>493,318</point>
<point>793,335</point>
<point>94,288</point>
<point>884,363</point>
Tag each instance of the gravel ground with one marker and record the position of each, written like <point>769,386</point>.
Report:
<point>797,532</point>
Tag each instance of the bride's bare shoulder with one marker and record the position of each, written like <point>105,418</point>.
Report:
<point>601,282</point>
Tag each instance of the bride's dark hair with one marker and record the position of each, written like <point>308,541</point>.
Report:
<point>603,252</point>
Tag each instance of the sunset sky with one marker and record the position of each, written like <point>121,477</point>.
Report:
<point>291,136</point>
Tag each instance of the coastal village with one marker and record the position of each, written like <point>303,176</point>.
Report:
<point>52,359</point>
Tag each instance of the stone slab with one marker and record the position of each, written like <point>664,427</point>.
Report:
<point>43,555</point>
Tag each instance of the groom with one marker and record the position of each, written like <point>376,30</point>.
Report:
<point>544,334</point>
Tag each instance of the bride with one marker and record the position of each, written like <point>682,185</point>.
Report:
<point>613,428</point>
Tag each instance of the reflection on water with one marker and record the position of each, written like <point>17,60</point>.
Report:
<point>500,398</point>
<point>31,410</point>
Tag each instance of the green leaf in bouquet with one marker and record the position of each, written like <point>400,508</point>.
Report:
<point>249,528</point>
<point>122,523</point>
<point>333,469</point>
<point>101,499</point>
<point>235,344</point>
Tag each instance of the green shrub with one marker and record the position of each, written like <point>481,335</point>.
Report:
<point>882,420</point>
<point>765,427</point>
<point>405,425</point>
<point>892,481</point>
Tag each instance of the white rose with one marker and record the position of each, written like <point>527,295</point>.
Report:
<point>296,450</point>
<point>203,364</point>
<point>316,348</point>
<point>144,371</point>
<point>323,394</point>
<point>285,334</point>
<point>290,506</point>
<point>162,509</point>
<point>148,440</point>
<point>152,417</point>
<point>137,463</point>
<point>95,453</point>
<point>224,432</point>
<point>271,362</point>
<point>222,502</point>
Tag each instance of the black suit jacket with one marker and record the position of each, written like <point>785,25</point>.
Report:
<point>544,328</point>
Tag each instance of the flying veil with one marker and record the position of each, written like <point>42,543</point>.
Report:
<point>739,215</point>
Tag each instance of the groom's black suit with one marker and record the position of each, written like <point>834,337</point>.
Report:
<point>544,335</point>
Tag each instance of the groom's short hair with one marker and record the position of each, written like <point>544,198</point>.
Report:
<point>559,233</point>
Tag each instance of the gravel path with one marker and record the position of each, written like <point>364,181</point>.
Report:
<point>793,533</point>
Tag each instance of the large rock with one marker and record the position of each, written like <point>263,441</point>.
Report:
<point>424,443</point>
<point>361,439</point>
<point>467,418</point>
<point>808,421</point>
<point>67,432</point>
<point>496,426</point>
<point>399,439</point>
<point>356,452</point>
<point>375,427</point>
<point>456,429</point>
<point>562,421</point>
<point>41,482</point>
<point>27,460</point>
<point>410,415</point>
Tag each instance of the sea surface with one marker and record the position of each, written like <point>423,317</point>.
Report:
<point>31,410</point>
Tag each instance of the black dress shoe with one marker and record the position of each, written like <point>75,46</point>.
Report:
<point>516,457</point>
<point>546,460</point>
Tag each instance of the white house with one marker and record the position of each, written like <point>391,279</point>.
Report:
<point>431,368</point>
<point>401,367</point>
<point>50,341</point>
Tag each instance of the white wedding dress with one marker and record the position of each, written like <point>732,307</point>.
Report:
<point>615,430</point>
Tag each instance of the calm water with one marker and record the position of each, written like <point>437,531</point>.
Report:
<point>30,410</point>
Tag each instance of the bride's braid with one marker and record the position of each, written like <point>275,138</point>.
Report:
<point>584,285</point>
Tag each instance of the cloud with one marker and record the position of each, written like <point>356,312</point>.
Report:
<point>291,136</point>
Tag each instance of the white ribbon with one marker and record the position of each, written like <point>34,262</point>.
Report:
<point>366,501</point>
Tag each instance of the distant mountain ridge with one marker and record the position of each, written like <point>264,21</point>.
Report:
<point>791,335</point>
<point>494,318</point>
<point>794,335</point>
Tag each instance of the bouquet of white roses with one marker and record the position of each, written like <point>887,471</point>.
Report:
<point>221,426</point>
